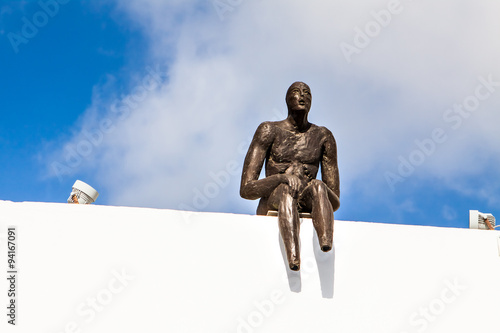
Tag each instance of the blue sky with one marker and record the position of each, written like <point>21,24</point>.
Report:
<point>154,103</point>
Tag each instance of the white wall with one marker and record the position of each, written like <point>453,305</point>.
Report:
<point>117,269</point>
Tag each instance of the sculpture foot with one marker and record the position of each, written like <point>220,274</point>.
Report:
<point>325,243</point>
<point>294,262</point>
<point>325,248</point>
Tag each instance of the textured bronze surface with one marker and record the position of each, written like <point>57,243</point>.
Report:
<point>293,150</point>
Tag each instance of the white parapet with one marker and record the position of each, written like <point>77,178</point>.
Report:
<point>90,268</point>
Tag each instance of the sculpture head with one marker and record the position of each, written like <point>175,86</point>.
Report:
<point>298,97</point>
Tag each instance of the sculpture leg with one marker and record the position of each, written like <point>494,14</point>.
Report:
<point>289,223</point>
<point>315,197</point>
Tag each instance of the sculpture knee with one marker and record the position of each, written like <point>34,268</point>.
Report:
<point>318,188</point>
<point>281,197</point>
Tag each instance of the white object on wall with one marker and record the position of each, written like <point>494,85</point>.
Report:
<point>477,220</point>
<point>85,193</point>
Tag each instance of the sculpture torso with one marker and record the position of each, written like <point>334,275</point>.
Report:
<point>294,152</point>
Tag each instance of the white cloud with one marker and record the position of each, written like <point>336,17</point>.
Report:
<point>226,76</point>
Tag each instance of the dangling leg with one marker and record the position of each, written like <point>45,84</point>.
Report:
<point>315,197</point>
<point>289,223</point>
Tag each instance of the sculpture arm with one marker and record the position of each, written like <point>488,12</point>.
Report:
<point>330,170</point>
<point>251,186</point>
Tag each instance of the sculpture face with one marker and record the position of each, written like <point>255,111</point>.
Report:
<point>298,97</point>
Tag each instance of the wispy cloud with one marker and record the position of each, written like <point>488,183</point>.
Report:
<point>224,77</point>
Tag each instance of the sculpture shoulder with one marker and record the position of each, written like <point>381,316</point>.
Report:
<point>325,133</point>
<point>266,132</point>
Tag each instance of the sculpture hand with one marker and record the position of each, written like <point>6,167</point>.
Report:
<point>295,184</point>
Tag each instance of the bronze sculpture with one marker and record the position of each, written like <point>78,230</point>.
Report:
<point>293,149</point>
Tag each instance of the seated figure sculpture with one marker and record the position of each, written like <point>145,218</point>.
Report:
<point>293,150</point>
